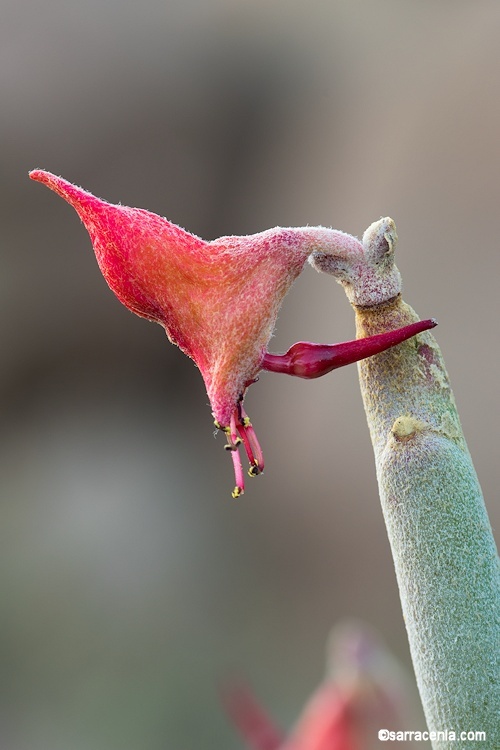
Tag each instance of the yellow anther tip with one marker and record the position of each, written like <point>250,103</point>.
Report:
<point>236,492</point>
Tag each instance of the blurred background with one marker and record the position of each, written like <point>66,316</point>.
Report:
<point>131,583</point>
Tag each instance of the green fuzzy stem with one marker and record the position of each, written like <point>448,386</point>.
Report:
<point>444,553</point>
<point>445,557</point>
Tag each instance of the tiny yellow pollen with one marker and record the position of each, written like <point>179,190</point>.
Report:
<point>236,492</point>
<point>253,471</point>
<point>232,446</point>
<point>246,422</point>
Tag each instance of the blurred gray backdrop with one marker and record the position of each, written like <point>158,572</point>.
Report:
<point>131,583</point>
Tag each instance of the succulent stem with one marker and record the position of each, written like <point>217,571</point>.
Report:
<point>444,554</point>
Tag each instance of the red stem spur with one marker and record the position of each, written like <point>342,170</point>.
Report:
<point>306,360</point>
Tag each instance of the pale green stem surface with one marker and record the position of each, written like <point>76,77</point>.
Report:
<point>444,554</point>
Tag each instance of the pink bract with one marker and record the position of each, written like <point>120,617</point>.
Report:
<point>217,301</point>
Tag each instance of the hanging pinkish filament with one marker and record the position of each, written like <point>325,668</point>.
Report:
<point>250,441</point>
<point>232,446</point>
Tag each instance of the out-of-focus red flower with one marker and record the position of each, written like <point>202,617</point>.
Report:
<point>364,690</point>
<point>218,301</point>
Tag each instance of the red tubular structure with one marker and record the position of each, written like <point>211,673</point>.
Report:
<point>306,360</point>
